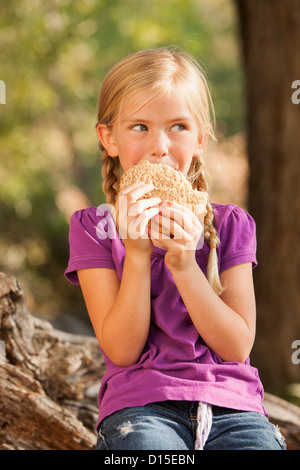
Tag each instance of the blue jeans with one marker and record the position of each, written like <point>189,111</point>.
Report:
<point>171,425</point>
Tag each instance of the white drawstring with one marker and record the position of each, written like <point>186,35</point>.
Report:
<point>204,423</point>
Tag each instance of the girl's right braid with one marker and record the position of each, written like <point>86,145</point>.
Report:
<point>111,177</point>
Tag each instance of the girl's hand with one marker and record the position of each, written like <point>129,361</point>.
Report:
<point>133,215</point>
<point>182,235</point>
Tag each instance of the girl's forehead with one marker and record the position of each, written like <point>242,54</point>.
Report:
<point>134,101</point>
<point>146,99</point>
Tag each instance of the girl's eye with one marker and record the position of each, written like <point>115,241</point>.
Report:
<point>139,127</point>
<point>178,128</point>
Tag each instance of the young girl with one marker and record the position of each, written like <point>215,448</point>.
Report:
<point>175,323</point>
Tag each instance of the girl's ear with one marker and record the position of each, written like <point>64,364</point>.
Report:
<point>106,138</point>
<point>200,145</point>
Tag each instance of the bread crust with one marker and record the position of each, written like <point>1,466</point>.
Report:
<point>169,184</point>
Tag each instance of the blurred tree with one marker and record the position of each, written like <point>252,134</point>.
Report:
<point>271,37</point>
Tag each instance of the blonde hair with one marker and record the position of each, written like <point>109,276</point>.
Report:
<point>155,71</point>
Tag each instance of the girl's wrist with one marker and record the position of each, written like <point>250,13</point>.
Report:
<point>181,263</point>
<point>138,257</point>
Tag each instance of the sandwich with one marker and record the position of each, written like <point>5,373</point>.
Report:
<point>169,185</point>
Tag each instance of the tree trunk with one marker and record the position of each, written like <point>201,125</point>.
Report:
<point>270,32</point>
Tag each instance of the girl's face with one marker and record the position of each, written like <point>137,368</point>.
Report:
<point>161,131</point>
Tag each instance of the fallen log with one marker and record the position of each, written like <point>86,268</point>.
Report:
<point>49,382</point>
<point>31,420</point>
<point>286,416</point>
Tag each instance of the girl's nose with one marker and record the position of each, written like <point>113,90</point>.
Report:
<point>159,145</point>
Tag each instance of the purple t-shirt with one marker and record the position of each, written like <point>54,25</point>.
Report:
<point>175,363</point>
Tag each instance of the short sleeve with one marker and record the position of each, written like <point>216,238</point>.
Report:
<point>88,249</point>
<point>237,234</point>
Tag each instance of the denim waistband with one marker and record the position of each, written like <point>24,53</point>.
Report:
<point>191,408</point>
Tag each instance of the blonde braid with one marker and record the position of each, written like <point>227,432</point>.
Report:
<point>111,177</point>
<point>211,236</point>
<point>197,177</point>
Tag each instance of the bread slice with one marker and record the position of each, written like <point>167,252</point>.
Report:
<point>169,184</point>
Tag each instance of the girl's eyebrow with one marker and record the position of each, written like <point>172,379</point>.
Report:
<point>137,119</point>
<point>147,121</point>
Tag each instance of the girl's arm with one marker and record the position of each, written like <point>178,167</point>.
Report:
<point>227,322</point>
<point>120,311</point>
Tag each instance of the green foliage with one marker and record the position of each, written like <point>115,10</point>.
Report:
<point>53,58</point>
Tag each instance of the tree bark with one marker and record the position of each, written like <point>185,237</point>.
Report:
<point>270,31</point>
<point>49,380</point>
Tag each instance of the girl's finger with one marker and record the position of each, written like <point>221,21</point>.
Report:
<point>137,227</point>
<point>185,232</point>
<point>182,216</point>
<point>168,227</point>
<point>155,234</point>
<point>136,191</point>
<point>138,207</point>
<point>130,195</point>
